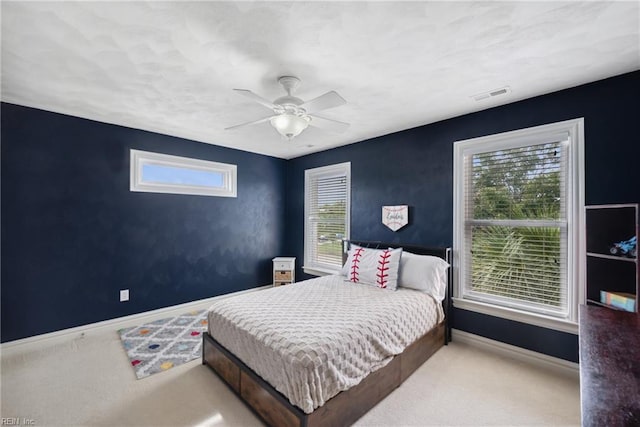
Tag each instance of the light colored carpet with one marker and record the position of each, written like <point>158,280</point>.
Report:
<point>89,382</point>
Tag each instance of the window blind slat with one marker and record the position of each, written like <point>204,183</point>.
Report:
<point>326,212</point>
<point>515,215</point>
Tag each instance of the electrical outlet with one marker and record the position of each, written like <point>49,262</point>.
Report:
<point>124,295</point>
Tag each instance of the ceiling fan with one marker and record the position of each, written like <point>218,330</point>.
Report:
<point>291,115</point>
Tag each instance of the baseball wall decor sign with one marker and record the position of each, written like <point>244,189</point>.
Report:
<point>395,217</point>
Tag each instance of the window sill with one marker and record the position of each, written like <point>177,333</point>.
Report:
<point>320,271</point>
<point>518,316</point>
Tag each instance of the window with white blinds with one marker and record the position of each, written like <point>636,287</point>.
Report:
<point>327,208</point>
<point>517,215</point>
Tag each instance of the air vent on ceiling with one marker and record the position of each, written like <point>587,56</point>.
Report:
<point>493,93</point>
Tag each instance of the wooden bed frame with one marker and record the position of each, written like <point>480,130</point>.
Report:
<point>347,406</point>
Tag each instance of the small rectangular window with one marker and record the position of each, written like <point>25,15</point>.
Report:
<point>163,173</point>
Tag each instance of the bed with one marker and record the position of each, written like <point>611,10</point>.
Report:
<point>322,352</point>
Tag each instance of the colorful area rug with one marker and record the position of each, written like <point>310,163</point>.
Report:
<point>160,345</point>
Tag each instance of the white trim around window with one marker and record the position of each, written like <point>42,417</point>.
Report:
<point>327,217</point>
<point>571,134</point>
<point>163,173</point>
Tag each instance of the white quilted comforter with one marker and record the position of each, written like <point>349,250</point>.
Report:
<point>313,339</point>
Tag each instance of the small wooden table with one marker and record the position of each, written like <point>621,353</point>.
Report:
<point>609,367</point>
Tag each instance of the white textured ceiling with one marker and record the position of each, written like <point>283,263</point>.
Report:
<point>170,67</point>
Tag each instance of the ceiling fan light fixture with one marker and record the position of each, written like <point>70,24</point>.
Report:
<point>291,115</point>
<point>289,125</point>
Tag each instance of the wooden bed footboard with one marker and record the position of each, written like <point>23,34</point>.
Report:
<point>341,410</point>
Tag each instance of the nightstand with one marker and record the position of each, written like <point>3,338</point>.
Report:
<point>284,270</point>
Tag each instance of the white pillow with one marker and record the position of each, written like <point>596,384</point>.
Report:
<point>424,273</point>
<point>377,267</point>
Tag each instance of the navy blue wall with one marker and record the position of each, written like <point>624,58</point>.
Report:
<point>415,167</point>
<point>73,234</point>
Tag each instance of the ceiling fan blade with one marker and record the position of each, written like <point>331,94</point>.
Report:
<point>328,124</point>
<point>254,122</point>
<point>260,100</point>
<point>323,102</point>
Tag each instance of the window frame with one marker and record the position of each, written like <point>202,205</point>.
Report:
<point>340,169</point>
<point>140,158</point>
<point>574,215</point>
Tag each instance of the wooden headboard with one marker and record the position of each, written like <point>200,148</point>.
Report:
<point>440,252</point>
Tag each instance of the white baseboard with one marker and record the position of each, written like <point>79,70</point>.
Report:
<point>520,353</point>
<point>39,341</point>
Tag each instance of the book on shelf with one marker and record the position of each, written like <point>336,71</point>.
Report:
<point>620,300</point>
